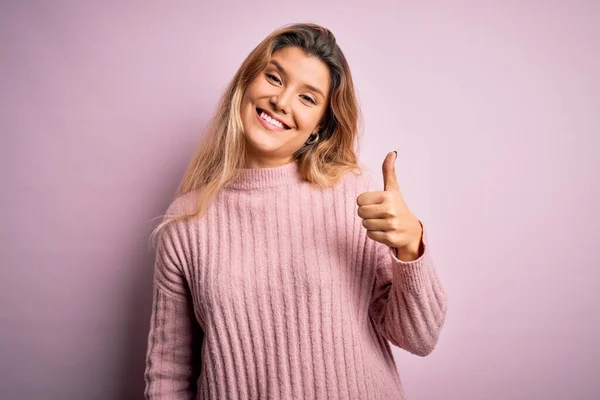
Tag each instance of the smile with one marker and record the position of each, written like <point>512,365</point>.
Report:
<point>270,123</point>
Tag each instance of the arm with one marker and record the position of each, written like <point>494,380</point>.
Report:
<point>175,337</point>
<point>408,305</point>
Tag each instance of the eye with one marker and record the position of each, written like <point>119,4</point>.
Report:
<point>272,77</point>
<point>310,99</point>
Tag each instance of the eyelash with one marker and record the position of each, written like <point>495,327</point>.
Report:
<point>270,76</point>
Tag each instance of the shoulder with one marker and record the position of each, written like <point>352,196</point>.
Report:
<point>176,231</point>
<point>362,180</point>
<point>183,204</point>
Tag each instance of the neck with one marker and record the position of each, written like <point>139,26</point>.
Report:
<point>264,177</point>
<point>258,162</point>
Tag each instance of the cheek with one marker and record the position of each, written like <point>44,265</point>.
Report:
<point>257,88</point>
<point>307,120</point>
<point>249,95</point>
<point>248,104</point>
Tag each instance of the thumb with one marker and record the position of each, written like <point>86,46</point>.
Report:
<point>389,172</point>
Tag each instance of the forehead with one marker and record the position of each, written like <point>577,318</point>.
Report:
<point>302,68</point>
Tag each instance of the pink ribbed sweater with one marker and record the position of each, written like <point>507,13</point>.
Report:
<point>277,293</point>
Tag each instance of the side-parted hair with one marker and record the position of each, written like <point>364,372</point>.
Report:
<point>222,149</point>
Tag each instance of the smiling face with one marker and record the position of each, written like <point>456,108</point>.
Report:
<point>293,89</point>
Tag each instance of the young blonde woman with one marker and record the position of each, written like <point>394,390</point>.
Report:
<point>283,270</point>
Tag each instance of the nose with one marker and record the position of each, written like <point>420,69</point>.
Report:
<point>280,101</point>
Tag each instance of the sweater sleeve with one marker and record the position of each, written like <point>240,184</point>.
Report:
<point>175,337</point>
<point>408,304</point>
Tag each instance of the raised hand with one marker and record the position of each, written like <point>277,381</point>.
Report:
<point>387,217</point>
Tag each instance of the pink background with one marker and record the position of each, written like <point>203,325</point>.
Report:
<point>493,107</point>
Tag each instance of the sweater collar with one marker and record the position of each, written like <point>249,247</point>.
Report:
<point>259,178</point>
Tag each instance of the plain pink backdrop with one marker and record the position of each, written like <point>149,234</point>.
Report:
<point>494,110</point>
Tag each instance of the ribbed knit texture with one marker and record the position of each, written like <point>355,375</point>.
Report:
<point>277,293</point>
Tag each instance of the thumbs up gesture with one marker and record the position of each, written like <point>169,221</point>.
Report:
<point>388,219</point>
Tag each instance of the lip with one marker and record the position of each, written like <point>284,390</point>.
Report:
<point>285,126</point>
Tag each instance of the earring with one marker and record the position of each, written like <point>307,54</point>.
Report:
<point>314,140</point>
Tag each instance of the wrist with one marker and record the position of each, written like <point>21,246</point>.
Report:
<point>407,254</point>
<point>412,251</point>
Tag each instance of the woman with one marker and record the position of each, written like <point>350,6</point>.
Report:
<point>281,270</point>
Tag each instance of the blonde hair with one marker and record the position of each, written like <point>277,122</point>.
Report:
<point>221,151</point>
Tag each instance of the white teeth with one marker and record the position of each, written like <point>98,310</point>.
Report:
<point>270,120</point>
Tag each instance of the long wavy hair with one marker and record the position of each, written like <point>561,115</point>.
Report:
<point>222,149</point>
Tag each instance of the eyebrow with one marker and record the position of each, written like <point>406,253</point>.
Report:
<point>282,70</point>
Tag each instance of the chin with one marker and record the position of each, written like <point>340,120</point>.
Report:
<point>261,140</point>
